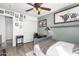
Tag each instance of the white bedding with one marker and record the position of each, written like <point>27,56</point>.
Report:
<point>37,50</point>
<point>59,49</point>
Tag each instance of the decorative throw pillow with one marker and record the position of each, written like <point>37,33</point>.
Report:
<point>76,49</point>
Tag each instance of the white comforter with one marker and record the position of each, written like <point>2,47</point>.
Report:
<point>59,49</point>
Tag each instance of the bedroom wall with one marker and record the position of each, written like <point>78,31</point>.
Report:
<point>29,27</point>
<point>49,18</point>
<point>70,34</point>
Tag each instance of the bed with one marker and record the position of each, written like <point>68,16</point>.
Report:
<point>60,48</point>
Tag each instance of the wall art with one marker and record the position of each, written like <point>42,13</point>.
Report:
<point>70,14</point>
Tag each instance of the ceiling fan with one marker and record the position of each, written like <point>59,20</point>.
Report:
<point>37,7</point>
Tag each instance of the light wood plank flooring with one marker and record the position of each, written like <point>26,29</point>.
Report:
<point>20,51</point>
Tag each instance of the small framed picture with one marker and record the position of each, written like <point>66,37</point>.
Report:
<point>7,12</point>
<point>16,15</point>
<point>21,17</point>
<point>16,24</point>
<point>11,13</point>
<point>43,23</point>
<point>2,11</point>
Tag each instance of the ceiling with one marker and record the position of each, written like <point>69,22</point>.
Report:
<point>21,7</point>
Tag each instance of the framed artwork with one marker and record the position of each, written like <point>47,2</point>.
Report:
<point>24,16</point>
<point>16,24</point>
<point>1,11</point>
<point>16,15</point>
<point>7,12</point>
<point>43,23</point>
<point>21,17</point>
<point>67,15</point>
<point>11,13</point>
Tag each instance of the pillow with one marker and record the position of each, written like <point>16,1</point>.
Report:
<point>76,49</point>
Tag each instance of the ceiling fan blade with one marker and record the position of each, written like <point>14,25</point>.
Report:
<point>29,9</point>
<point>48,9</point>
<point>39,4</point>
<point>30,4</point>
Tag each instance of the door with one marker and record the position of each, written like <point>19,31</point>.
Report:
<point>9,30</point>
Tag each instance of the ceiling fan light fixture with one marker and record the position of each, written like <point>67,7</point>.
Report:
<point>37,12</point>
<point>34,9</point>
<point>39,9</point>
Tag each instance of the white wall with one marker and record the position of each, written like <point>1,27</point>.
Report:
<point>49,17</point>
<point>16,31</point>
<point>2,27</point>
<point>28,29</point>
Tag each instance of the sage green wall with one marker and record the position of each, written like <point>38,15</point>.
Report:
<point>70,34</point>
<point>49,18</point>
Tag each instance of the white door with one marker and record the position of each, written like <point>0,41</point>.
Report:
<point>9,28</point>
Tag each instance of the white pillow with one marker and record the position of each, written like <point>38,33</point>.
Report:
<point>76,49</point>
<point>38,51</point>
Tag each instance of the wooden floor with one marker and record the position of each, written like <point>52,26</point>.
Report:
<point>45,44</point>
<point>20,51</point>
<point>28,47</point>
